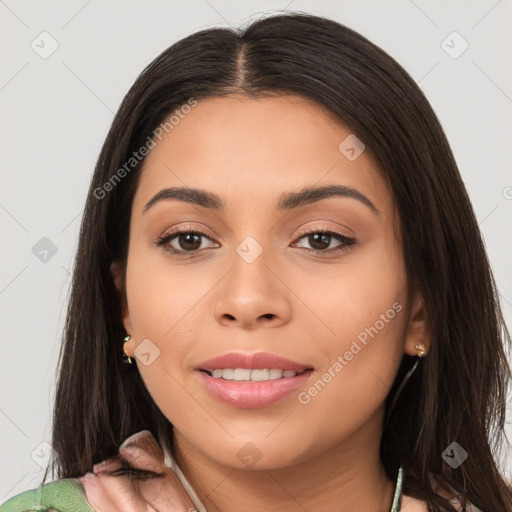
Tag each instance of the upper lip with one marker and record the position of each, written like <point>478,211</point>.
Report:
<point>254,361</point>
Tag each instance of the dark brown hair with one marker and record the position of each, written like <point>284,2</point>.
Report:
<point>458,392</point>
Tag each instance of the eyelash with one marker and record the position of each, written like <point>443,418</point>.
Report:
<point>164,241</point>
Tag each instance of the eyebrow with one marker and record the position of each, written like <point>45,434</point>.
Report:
<point>288,201</point>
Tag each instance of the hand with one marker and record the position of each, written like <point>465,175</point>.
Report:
<point>125,494</point>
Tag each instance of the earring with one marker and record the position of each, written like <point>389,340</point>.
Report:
<point>420,347</point>
<point>126,358</point>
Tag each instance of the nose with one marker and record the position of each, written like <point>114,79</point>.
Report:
<point>252,295</point>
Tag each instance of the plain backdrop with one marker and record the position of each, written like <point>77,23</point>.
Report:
<point>65,67</point>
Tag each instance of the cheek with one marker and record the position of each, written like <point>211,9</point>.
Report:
<point>164,296</point>
<point>166,307</point>
<point>362,310</point>
<point>365,292</point>
<point>344,399</point>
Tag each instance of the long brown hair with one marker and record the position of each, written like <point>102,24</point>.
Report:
<point>458,392</point>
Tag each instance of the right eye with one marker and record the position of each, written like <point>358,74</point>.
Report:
<point>188,242</point>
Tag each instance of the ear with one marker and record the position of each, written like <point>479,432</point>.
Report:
<point>118,271</point>
<point>417,327</point>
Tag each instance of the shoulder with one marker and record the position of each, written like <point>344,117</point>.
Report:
<point>410,504</point>
<point>469,507</point>
<point>66,495</point>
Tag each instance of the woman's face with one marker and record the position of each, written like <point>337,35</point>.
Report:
<point>318,280</point>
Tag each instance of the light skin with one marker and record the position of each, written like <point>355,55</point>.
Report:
<point>290,301</point>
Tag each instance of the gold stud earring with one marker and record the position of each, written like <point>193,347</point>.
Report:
<point>126,358</point>
<point>420,347</point>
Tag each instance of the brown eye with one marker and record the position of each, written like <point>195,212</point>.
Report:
<point>320,240</point>
<point>189,242</point>
<point>183,241</point>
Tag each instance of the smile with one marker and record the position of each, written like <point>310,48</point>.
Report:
<point>246,374</point>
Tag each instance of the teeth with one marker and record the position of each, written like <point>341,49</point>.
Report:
<point>251,375</point>
<point>242,374</point>
<point>275,374</point>
<point>259,375</point>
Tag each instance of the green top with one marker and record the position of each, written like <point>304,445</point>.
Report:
<point>68,495</point>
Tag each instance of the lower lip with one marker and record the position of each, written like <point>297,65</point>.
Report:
<point>252,395</point>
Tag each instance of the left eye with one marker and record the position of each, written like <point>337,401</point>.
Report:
<point>321,240</point>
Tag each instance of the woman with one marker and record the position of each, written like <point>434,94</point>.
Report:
<point>278,242</point>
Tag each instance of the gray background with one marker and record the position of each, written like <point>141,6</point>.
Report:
<point>56,112</point>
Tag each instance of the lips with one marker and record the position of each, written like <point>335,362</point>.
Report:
<point>251,394</point>
<point>255,361</point>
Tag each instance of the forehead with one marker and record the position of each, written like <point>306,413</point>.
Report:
<point>254,149</point>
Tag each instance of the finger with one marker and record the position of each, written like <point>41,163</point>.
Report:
<point>143,452</point>
<point>165,493</point>
<point>95,494</point>
<point>121,492</point>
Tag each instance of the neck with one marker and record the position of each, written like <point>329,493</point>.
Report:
<point>348,476</point>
